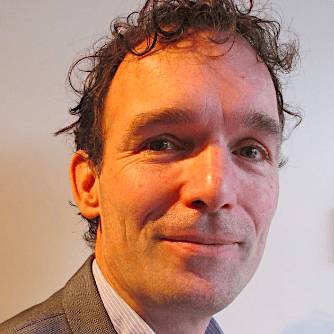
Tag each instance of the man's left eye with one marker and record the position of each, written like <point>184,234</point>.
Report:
<point>253,152</point>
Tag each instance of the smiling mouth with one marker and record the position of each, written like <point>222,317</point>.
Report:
<point>207,248</point>
<point>199,241</point>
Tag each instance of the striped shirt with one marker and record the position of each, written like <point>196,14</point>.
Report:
<point>124,319</point>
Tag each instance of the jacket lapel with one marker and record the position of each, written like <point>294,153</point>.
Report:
<point>83,306</point>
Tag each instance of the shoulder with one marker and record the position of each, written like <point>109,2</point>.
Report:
<point>77,308</point>
<point>47,317</point>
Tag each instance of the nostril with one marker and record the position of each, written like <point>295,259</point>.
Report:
<point>213,208</point>
<point>199,204</point>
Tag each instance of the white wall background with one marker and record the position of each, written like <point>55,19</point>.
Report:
<point>41,246</point>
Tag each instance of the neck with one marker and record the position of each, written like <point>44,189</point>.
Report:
<point>162,319</point>
<point>175,322</point>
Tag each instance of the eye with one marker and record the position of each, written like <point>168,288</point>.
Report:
<point>159,145</point>
<point>253,152</point>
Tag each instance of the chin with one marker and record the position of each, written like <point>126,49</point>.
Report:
<point>200,295</point>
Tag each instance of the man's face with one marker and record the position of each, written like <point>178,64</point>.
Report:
<point>189,182</point>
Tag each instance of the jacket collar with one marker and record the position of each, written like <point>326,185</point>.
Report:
<point>83,306</point>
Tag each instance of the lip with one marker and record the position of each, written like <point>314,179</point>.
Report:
<point>201,246</point>
<point>200,240</point>
<point>186,248</point>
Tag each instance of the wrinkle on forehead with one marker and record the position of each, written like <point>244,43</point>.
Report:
<point>233,65</point>
<point>195,49</point>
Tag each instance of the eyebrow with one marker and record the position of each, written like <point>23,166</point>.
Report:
<point>175,116</point>
<point>167,116</point>
<point>263,122</point>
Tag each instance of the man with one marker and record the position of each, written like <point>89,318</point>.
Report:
<point>180,122</point>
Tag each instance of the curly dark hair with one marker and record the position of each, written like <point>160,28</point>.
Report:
<point>167,22</point>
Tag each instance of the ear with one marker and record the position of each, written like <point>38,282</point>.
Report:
<point>84,183</point>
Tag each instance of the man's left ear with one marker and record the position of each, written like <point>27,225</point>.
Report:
<point>84,183</point>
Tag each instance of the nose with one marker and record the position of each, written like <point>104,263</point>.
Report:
<point>210,182</point>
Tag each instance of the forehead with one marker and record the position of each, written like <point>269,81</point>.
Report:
<point>195,74</point>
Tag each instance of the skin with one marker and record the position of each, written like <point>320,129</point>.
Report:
<point>185,208</point>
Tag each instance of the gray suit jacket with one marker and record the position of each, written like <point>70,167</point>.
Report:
<point>75,309</point>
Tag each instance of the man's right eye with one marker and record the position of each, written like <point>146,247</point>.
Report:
<point>159,145</point>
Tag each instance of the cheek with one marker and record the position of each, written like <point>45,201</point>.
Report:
<point>145,192</point>
<point>259,198</point>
